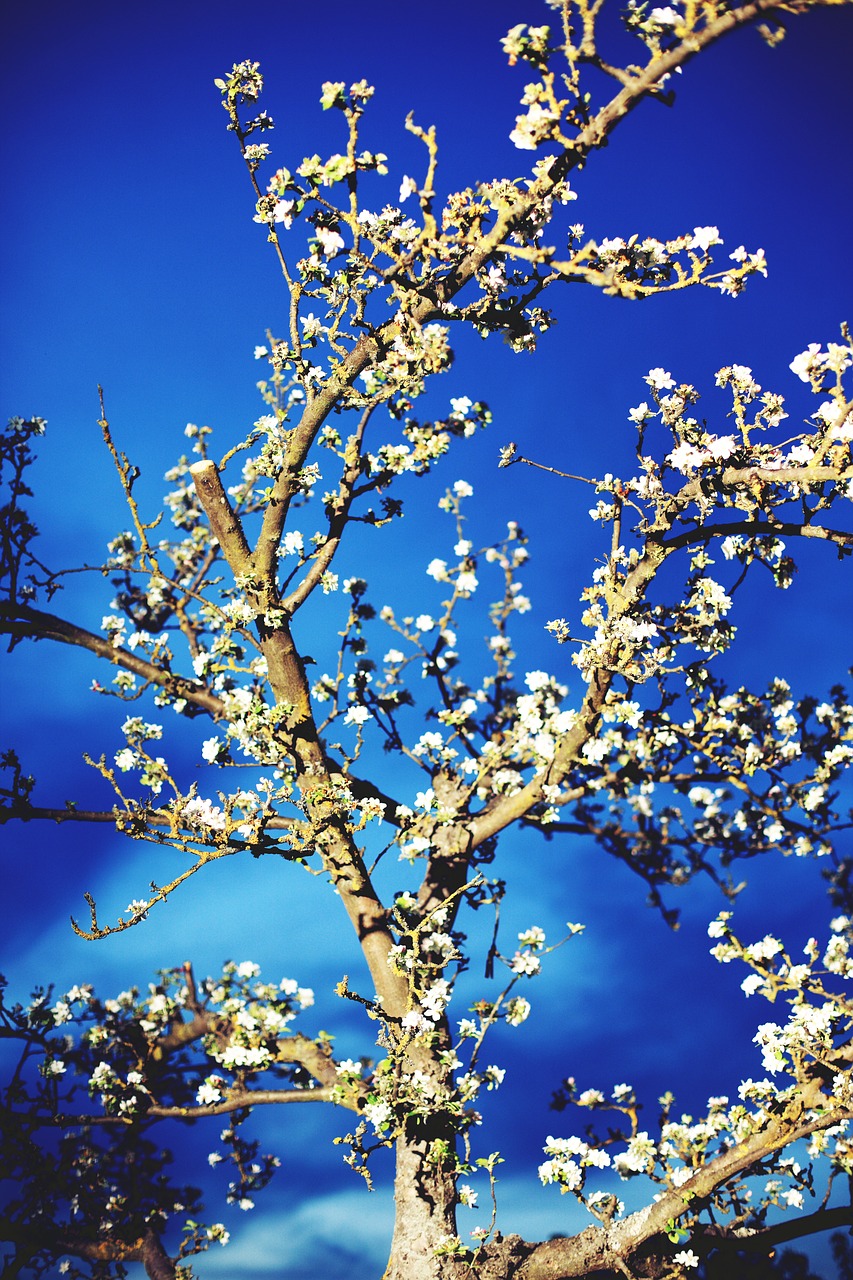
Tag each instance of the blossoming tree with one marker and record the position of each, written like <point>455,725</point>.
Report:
<point>655,760</point>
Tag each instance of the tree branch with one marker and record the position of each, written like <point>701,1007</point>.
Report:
<point>370,348</point>
<point>23,623</point>
<point>34,1237</point>
<point>578,1255</point>
<point>506,809</point>
<point>237,1102</point>
<point>752,530</point>
<point>778,1232</point>
<point>224,523</point>
<point>155,817</point>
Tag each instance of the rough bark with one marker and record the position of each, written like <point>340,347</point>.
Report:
<point>425,1202</point>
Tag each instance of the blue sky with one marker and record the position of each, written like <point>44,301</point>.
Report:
<point>129,258</point>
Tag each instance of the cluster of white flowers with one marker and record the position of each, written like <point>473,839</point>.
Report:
<point>432,1004</point>
<point>517,1011</point>
<point>255,1016</point>
<point>119,1096</point>
<point>379,1114</point>
<point>734,281</point>
<point>535,126</point>
<point>292,544</point>
<point>526,962</point>
<point>688,457</point>
<point>469,1084</point>
<point>620,641</point>
<point>198,812</point>
<point>569,1160</point>
<point>812,364</point>
<point>816,1015</point>
<point>708,600</point>
<point>253,724</point>
<point>210,1091</point>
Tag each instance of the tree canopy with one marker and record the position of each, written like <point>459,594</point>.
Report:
<point>387,741</point>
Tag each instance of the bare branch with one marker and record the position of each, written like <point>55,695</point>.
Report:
<point>777,1232</point>
<point>224,523</point>
<point>752,529</point>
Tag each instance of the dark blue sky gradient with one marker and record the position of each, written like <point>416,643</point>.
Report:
<point>130,259</point>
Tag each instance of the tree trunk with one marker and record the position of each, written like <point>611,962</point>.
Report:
<point>425,1200</point>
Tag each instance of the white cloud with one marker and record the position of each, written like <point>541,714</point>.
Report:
<point>345,1236</point>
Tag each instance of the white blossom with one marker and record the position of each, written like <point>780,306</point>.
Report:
<point>659,379</point>
<point>703,237</point>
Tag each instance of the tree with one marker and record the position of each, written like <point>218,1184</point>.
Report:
<point>655,759</point>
